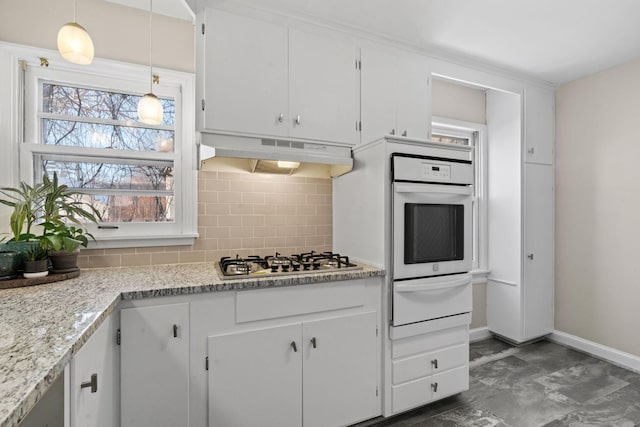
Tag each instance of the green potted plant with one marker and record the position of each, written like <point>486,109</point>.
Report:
<point>27,202</point>
<point>36,262</point>
<point>64,233</point>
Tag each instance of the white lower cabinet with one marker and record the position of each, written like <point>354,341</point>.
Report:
<point>155,366</point>
<point>314,373</point>
<point>254,378</point>
<point>94,381</point>
<point>429,367</point>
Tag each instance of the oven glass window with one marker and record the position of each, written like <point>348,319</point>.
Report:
<point>433,233</point>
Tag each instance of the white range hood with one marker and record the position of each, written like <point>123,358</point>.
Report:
<point>337,158</point>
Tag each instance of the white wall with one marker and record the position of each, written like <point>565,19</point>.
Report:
<point>118,32</point>
<point>597,234</point>
<point>455,101</point>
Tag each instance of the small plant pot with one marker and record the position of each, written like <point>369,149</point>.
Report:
<point>8,264</point>
<point>63,261</point>
<point>33,269</point>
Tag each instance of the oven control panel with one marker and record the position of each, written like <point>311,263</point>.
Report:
<point>436,172</point>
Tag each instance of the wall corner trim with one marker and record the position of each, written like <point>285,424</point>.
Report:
<point>599,351</point>
<point>479,334</point>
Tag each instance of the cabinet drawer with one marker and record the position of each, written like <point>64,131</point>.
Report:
<point>262,304</point>
<point>427,389</point>
<point>429,342</point>
<point>414,367</point>
<point>411,394</point>
<point>450,382</point>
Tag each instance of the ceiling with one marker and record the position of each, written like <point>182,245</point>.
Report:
<point>553,40</point>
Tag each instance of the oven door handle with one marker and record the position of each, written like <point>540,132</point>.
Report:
<point>404,187</point>
<point>422,287</point>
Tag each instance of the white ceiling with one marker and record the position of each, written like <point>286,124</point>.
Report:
<point>553,40</point>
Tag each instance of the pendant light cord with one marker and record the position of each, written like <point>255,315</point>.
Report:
<point>150,68</point>
<point>75,11</point>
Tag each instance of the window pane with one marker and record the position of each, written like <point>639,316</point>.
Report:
<point>99,104</point>
<point>79,134</point>
<point>90,175</point>
<point>125,208</point>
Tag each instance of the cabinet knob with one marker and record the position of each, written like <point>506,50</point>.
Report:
<point>530,256</point>
<point>404,133</point>
<point>434,387</point>
<point>281,118</point>
<point>393,132</point>
<point>294,346</point>
<point>93,383</point>
<point>531,150</point>
<point>175,331</point>
<point>314,342</point>
<point>298,120</point>
<point>434,363</point>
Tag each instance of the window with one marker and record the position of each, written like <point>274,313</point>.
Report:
<point>473,134</point>
<point>81,123</point>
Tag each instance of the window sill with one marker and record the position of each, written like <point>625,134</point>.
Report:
<point>144,241</point>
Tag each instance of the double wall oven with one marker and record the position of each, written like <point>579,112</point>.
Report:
<point>431,216</point>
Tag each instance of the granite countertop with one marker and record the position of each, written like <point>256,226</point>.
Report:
<point>42,327</point>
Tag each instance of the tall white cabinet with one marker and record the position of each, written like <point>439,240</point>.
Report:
<point>520,287</point>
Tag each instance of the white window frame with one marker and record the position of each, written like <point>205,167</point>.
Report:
<point>23,68</point>
<point>477,134</point>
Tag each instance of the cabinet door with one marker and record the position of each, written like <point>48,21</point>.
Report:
<point>155,365</point>
<point>245,75</point>
<point>99,405</point>
<point>414,96</point>
<point>379,95</point>
<point>323,88</point>
<point>340,370</point>
<point>255,378</point>
<point>538,243</point>
<point>539,131</point>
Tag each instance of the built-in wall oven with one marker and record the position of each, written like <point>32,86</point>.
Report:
<point>432,237</point>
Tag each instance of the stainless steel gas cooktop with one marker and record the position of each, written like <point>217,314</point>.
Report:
<point>278,265</point>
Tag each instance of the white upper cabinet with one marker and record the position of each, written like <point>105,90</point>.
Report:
<point>539,131</point>
<point>414,96</point>
<point>261,79</point>
<point>243,80</point>
<point>323,88</point>
<point>396,96</point>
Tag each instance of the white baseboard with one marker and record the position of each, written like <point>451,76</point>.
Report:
<point>609,354</point>
<point>479,334</point>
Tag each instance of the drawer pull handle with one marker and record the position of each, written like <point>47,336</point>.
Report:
<point>434,363</point>
<point>434,386</point>
<point>93,383</point>
<point>175,331</point>
<point>294,346</point>
<point>314,342</point>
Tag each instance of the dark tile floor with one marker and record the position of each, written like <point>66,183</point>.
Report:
<point>540,384</point>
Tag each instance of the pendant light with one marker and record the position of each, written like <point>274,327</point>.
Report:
<point>149,108</point>
<point>74,43</point>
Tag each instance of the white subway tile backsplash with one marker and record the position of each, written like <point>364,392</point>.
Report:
<point>243,214</point>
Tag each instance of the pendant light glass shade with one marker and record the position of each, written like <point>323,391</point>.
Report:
<point>150,110</point>
<point>74,43</point>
